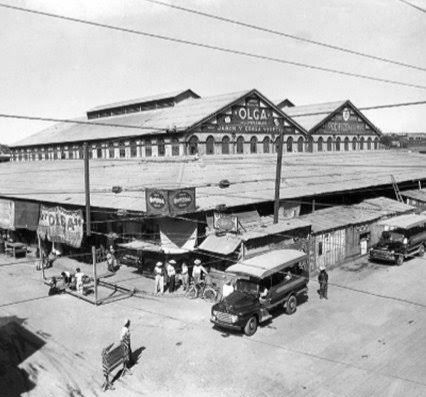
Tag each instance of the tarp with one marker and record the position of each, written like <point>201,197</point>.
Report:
<point>19,214</point>
<point>177,236</point>
<point>7,214</point>
<point>223,245</point>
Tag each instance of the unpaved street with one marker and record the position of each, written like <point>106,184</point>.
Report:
<point>367,339</point>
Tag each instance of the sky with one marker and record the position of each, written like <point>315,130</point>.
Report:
<point>60,69</point>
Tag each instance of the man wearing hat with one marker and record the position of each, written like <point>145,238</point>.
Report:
<point>125,340</point>
<point>159,278</point>
<point>197,271</point>
<point>323,282</point>
<point>171,274</point>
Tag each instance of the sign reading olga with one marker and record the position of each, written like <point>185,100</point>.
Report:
<point>170,201</point>
<point>61,226</point>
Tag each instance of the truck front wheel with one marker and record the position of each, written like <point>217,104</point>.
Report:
<point>399,260</point>
<point>291,305</point>
<point>251,326</point>
<point>421,250</point>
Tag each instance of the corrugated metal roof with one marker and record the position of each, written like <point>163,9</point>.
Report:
<point>224,245</point>
<point>342,216</point>
<point>150,98</point>
<point>180,117</point>
<point>303,174</point>
<point>312,118</point>
<point>415,194</point>
<point>405,221</point>
<point>284,225</point>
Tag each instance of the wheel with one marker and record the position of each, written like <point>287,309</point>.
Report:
<point>291,305</point>
<point>251,326</point>
<point>421,250</point>
<point>399,260</point>
<point>192,292</point>
<point>210,295</point>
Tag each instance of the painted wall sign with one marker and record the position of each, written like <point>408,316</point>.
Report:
<point>170,201</point>
<point>7,214</point>
<point>61,226</point>
<point>345,123</point>
<point>225,222</point>
<point>250,118</point>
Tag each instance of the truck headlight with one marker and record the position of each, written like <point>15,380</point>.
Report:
<point>234,318</point>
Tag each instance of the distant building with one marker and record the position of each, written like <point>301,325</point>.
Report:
<point>4,153</point>
<point>182,123</point>
<point>334,126</point>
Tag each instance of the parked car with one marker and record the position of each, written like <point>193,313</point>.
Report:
<point>281,276</point>
<point>404,236</point>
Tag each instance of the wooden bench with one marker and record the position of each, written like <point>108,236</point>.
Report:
<point>114,356</point>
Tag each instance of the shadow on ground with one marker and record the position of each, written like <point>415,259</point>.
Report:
<point>16,345</point>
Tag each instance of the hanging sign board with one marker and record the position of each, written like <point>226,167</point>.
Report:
<point>170,201</point>
<point>61,226</point>
<point>7,214</point>
<point>225,222</point>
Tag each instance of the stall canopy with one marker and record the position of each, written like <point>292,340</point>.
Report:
<point>224,245</point>
<point>19,214</point>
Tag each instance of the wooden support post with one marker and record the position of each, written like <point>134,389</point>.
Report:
<point>40,254</point>
<point>278,176</point>
<point>95,277</point>
<point>420,185</point>
<point>87,187</point>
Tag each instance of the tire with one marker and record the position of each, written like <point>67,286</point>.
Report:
<point>291,305</point>
<point>192,292</point>
<point>251,326</point>
<point>421,250</point>
<point>210,295</point>
<point>399,260</point>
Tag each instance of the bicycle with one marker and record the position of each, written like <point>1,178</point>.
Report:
<point>203,291</point>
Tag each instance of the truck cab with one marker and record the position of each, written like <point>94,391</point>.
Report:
<point>403,236</point>
<point>265,282</point>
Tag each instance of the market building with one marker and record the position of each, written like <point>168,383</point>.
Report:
<point>171,125</point>
<point>333,127</point>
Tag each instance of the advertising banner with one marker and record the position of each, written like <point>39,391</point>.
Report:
<point>225,222</point>
<point>170,201</point>
<point>61,226</point>
<point>7,214</point>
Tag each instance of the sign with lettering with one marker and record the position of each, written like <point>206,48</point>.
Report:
<point>170,201</point>
<point>61,226</point>
<point>344,123</point>
<point>7,214</point>
<point>253,117</point>
<point>225,222</point>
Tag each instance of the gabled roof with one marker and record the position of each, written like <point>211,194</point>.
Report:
<point>152,98</point>
<point>313,116</point>
<point>184,116</point>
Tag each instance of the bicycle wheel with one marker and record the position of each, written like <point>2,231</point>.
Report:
<point>210,294</point>
<point>192,292</point>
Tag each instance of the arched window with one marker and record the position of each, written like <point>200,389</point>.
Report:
<point>210,145</point>
<point>266,143</point>
<point>361,144</point>
<point>193,145</point>
<point>310,147</point>
<point>161,147</point>
<point>175,147</point>
<point>225,145</point>
<point>253,145</point>
<point>122,150</point>
<point>148,148</point>
<point>354,144</point>
<point>133,149</point>
<point>111,150</point>
<point>320,143</point>
<point>346,144</point>
<point>289,144</point>
<point>99,151</point>
<point>369,143</point>
<point>70,154</point>
<point>376,143</point>
<point>338,140</point>
<point>240,145</point>
<point>329,144</point>
<point>300,144</point>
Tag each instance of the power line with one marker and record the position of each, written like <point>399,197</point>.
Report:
<point>212,47</point>
<point>283,34</point>
<point>412,5</point>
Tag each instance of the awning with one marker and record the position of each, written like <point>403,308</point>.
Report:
<point>223,245</point>
<point>177,236</point>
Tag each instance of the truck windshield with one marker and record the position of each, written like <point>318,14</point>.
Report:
<point>393,236</point>
<point>247,286</point>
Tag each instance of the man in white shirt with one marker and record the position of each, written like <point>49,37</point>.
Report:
<point>227,289</point>
<point>159,278</point>
<point>79,280</point>
<point>171,273</point>
<point>197,270</point>
<point>125,340</point>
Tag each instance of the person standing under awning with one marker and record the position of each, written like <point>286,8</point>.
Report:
<point>171,273</point>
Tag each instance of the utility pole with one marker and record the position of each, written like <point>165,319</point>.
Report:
<point>87,187</point>
<point>278,176</point>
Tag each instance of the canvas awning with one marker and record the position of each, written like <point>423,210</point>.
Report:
<point>223,245</point>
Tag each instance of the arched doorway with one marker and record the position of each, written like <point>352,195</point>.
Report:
<point>300,144</point>
<point>376,143</point>
<point>266,142</point>
<point>338,140</point>
<point>346,144</point>
<point>253,145</point>
<point>289,144</point>
<point>193,145</point>
<point>320,144</point>
<point>361,144</point>
<point>240,145</point>
<point>354,144</point>
<point>225,145</point>
<point>329,144</point>
<point>210,145</point>
<point>369,144</point>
